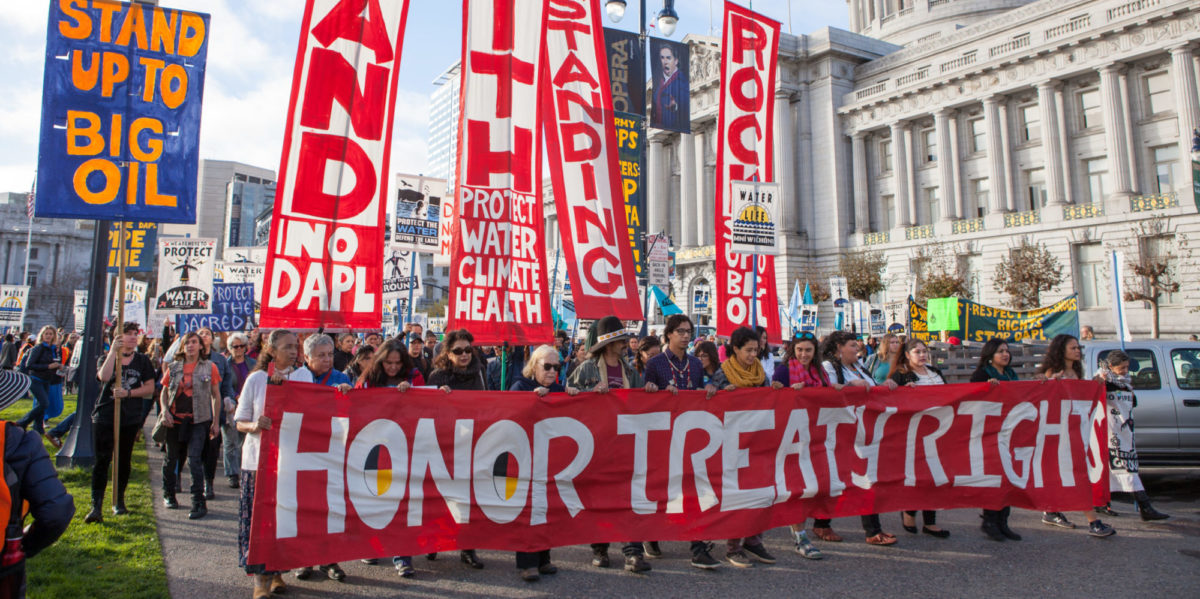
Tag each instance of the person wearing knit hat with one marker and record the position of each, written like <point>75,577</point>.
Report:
<point>51,507</point>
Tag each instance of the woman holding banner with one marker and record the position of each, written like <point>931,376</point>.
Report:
<point>800,370</point>
<point>994,368</point>
<point>1122,451</point>
<point>540,376</point>
<point>843,369</point>
<point>911,367</point>
<point>280,348</point>
<point>743,370</point>
<point>880,362</point>
<point>1064,361</point>
<point>606,369</point>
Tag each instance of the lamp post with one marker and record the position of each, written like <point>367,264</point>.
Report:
<point>667,20</point>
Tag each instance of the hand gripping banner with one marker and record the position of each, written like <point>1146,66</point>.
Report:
<point>324,264</point>
<point>582,144</point>
<point>498,286</point>
<point>749,45</point>
<point>378,472</point>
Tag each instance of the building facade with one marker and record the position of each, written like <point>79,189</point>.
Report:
<point>60,257</point>
<point>218,180</point>
<point>1062,122</point>
<point>443,124</point>
<point>247,198</point>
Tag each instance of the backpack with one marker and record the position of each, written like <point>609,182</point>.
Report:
<point>12,555</point>
<point>23,361</point>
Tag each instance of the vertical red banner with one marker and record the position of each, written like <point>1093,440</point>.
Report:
<point>498,285</point>
<point>324,267</point>
<point>749,46</point>
<point>582,144</point>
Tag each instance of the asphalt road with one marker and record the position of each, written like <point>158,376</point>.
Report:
<point>1158,559</point>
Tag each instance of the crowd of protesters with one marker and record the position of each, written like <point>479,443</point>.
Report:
<point>209,393</point>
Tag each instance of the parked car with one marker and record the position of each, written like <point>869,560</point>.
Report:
<point>1166,382</point>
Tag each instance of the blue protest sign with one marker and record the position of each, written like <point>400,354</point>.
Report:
<point>233,310</point>
<point>121,95</point>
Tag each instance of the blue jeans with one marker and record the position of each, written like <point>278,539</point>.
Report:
<point>64,427</point>
<point>231,442</point>
<point>41,401</point>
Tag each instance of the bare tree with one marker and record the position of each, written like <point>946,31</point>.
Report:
<point>58,298</point>
<point>864,273</point>
<point>1153,271</point>
<point>1028,271</point>
<point>817,280</point>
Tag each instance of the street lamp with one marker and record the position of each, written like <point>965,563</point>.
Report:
<point>667,18</point>
<point>615,10</point>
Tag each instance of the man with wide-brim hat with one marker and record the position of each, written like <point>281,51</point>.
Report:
<point>51,507</point>
<point>604,370</point>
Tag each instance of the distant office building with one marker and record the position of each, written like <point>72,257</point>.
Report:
<point>217,177</point>
<point>262,226</point>
<point>246,198</point>
<point>443,124</point>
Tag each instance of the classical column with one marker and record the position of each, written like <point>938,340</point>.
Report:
<point>1010,177</point>
<point>900,174</point>
<point>910,174</point>
<point>862,218</point>
<point>855,20</point>
<point>1187,103</point>
<point>1068,182</point>
<point>941,123</point>
<point>1115,130</point>
<point>703,205</point>
<point>1131,152</point>
<point>1051,143</point>
<point>687,189</point>
<point>785,162</point>
<point>960,206</point>
<point>656,188</point>
<point>995,159</point>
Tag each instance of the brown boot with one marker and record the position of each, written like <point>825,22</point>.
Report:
<point>277,585</point>
<point>262,586</point>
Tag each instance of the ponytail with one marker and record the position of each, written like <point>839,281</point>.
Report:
<point>267,355</point>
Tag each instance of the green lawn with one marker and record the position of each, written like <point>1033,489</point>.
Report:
<point>120,557</point>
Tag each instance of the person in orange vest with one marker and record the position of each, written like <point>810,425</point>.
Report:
<point>31,488</point>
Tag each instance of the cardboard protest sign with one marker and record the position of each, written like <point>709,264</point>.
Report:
<point>13,300</point>
<point>185,275</point>
<point>141,246</point>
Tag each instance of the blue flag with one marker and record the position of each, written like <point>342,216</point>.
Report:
<point>665,304</point>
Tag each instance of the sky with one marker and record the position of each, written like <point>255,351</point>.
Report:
<point>252,49</point>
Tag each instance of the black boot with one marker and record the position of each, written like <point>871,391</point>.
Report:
<point>209,491</point>
<point>97,513</point>
<point>990,526</point>
<point>1146,510</point>
<point>1002,524</point>
<point>199,508</point>
<point>170,501</point>
<point>119,507</point>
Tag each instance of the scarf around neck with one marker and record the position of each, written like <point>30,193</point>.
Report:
<point>1121,382</point>
<point>741,376</point>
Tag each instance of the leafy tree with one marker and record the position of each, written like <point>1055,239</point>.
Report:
<point>1028,271</point>
<point>864,273</point>
<point>940,275</point>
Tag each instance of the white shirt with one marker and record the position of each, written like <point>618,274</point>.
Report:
<point>851,374</point>
<point>251,404</point>
<point>929,378</point>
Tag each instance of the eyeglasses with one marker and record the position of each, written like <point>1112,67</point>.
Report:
<point>458,351</point>
<point>684,332</point>
<point>549,367</point>
<point>239,346</point>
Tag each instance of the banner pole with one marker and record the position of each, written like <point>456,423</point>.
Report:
<point>117,381</point>
<point>412,276</point>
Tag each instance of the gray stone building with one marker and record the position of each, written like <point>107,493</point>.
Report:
<point>960,128</point>
<point>60,257</point>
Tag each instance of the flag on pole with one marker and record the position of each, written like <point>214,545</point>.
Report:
<point>808,298</point>
<point>665,304</point>
<point>29,199</point>
<point>794,304</point>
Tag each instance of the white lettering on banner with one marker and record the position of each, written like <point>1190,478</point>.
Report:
<point>749,47</point>
<point>581,143</point>
<point>505,469</point>
<point>323,263</point>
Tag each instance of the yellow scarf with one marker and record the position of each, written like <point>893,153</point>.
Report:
<point>740,376</point>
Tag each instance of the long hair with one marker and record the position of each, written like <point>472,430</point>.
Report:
<point>181,354</point>
<point>885,346</point>
<point>833,343</point>
<point>376,376</point>
<point>709,349</point>
<point>989,351</point>
<point>266,355</point>
<point>444,361</point>
<point>647,343</point>
<point>899,362</point>
<point>1056,357</point>
<point>43,332</point>
<point>789,352</point>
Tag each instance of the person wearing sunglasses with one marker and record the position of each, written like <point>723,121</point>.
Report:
<point>540,375</point>
<point>240,365</point>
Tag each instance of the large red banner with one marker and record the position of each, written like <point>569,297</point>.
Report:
<point>498,284</point>
<point>582,144</point>
<point>378,472</point>
<point>324,267</point>
<point>749,45</point>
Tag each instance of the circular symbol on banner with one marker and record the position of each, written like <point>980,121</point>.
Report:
<point>841,301</point>
<point>377,471</point>
<point>505,475</point>
<point>754,215</point>
<point>896,328</point>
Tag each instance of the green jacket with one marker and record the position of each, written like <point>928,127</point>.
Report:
<point>589,373</point>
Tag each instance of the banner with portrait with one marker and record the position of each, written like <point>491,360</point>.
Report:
<point>670,102</point>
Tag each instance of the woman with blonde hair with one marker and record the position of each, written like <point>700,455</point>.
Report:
<point>880,362</point>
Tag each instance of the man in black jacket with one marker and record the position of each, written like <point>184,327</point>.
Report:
<point>8,353</point>
<point>30,477</point>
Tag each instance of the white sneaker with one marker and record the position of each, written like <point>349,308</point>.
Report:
<point>805,547</point>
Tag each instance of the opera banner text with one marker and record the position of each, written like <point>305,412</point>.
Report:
<point>626,70</point>
<point>416,213</point>
<point>141,245</point>
<point>378,472</point>
<point>979,323</point>
<point>327,228</point>
<point>185,275</point>
<point>498,286</point>
<point>745,140</point>
<point>585,170</point>
<point>121,96</point>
